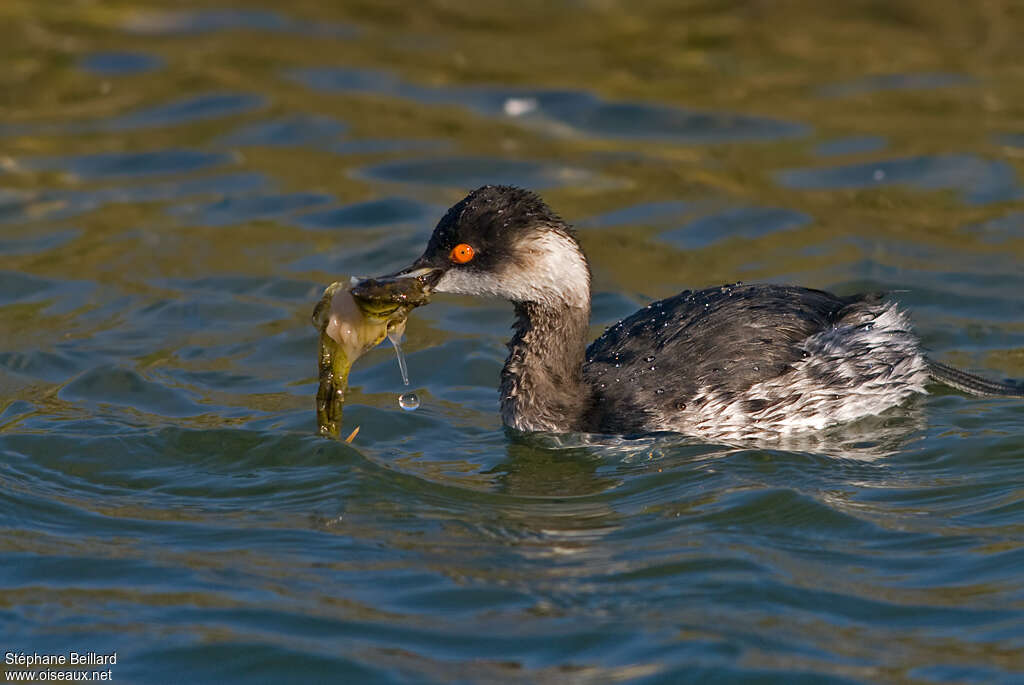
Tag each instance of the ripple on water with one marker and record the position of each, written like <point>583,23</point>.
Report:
<point>119,386</point>
<point>40,243</point>
<point>53,366</point>
<point>296,129</point>
<point>120,63</point>
<point>644,214</point>
<point>187,110</point>
<point>206,312</point>
<point>564,110</point>
<point>19,287</point>
<point>896,82</point>
<point>597,118</point>
<point>999,230</point>
<point>236,209</point>
<point>855,145</point>
<point>776,511</point>
<point>369,254</point>
<point>114,164</point>
<point>980,180</point>
<point>275,287</point>
<point>246,659</point>
<point>53,205</point>
<point>191,22</point>
<point>470,172</point>
<point>381,212</point>
<point>214,184</point>
<point>1011,139</point>
<point>742,222</point>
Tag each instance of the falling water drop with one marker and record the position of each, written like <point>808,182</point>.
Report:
<point>395,336</point>
<point>409,401</point>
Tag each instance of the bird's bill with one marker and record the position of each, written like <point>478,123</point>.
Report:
<point>409,288</point>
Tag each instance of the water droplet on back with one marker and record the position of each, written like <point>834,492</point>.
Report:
<point>409,401</point>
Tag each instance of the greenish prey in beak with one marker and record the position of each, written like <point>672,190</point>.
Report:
<point>353,319</point>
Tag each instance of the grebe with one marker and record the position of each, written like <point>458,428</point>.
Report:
<point>734,362</point>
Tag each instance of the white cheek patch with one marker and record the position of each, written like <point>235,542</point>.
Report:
<point>549,269</point>
<point>462,281</point>
<point>558,269</point>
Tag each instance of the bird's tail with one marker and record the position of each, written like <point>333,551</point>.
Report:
<point>971,384</point>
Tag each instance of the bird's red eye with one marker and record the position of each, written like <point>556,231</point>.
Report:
<point>462,253</point>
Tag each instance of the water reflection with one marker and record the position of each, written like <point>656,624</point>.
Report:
<point>119,63</point>
<point>297,129</point>
<point>111,385</point>
<point>238,209</point>
<point>981,181</point>
<point>883,82</point>
<point>1007,227</point>
<point>563,111</point>
<point>21,246</point>
<point>57,205</point>
<point>385,211</point>
<point>185,22</point>
<point>740,222</point>
<point>471,172</point>
<point>113,164</point>
<point>188,110</point>
<point>851,146</point>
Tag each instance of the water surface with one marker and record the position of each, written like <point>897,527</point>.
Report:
<point>177,186</point>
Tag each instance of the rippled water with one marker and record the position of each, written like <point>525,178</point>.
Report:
<point>178,185</point>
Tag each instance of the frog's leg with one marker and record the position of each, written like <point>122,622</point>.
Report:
<point>330,396</point>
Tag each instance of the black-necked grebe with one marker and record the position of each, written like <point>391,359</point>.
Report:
<point>734,362</point>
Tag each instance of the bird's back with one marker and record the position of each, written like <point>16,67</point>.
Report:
<point>750,361</point>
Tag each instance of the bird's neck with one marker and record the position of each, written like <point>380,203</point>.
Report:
<point>542,386</point>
